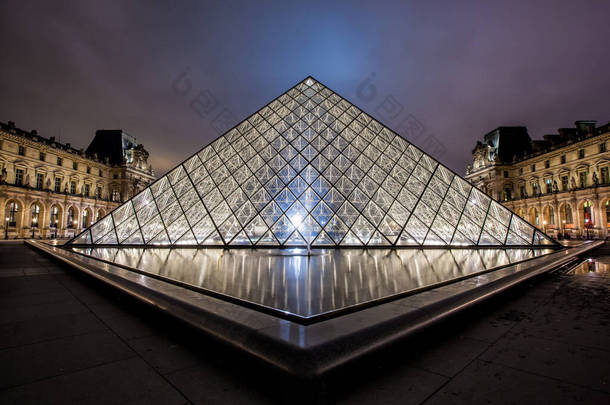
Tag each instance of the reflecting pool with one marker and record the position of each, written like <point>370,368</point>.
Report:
<point>291,282</point>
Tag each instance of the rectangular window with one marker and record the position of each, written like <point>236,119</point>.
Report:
<point>60,161</point>
<point>602,147</point>
<point>41,156</point>
<point>115,176</point>
<point>86,191</point>
<point>19,177</point>
<point>520,171</point>
<point>533,168</point>
<point>100,172</point>
<point>505,173</point>
<point>534,189</point>
<point>507,196</point>
<point>564,183</point>
<point>57,185</point>
<point>72,187</point>
<point>581,153</point>
<point>583,179</point>
<point>549,185</point>
<point>39,180</point>
<point>98,192</point>
<point>605,179</point>
<point>21,150</point>
<point>563,159</point>
<point>88,170</point>
<point>116,196</point>
<point>547,164</point>
<point>522,191</point>
<point>75,165</point>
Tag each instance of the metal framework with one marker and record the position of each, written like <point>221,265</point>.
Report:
<point>311,170</point>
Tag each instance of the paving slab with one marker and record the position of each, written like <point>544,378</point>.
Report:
<point>205,384</point>
<point>164,354</point>
<point>52,327</point>
<point>50,358</point>
<point>129,381</point>
<point>488,383</point>
<point>404,386</point>
<point>570,363</point>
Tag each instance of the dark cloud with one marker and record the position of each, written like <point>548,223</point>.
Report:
<point>459,68</point>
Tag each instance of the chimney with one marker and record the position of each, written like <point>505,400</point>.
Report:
<point>585,126</point>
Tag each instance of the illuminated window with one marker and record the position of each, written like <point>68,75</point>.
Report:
<point>566,214</point>
<point>85,221</point>
<point>39,181</point>
<point>13,212</point>
<point>604,174</point>
<point>564,183</point>
<point>19,177</point>
<point>587,213</point>
<point>71,219</point>
<point>35,219</point>
<point>54,216</point>
<point>57,187</point>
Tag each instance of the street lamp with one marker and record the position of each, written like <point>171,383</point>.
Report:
<point>6,229</point>
<point>34,222</point>
<point>55,222</point>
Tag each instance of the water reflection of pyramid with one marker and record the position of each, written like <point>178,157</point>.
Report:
<point>312,169</point>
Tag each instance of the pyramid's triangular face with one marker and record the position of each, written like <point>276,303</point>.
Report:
<point>311,169</point>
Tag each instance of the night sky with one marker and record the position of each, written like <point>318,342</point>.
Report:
<point>443,73</point>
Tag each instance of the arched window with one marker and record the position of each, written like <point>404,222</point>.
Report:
<point>551,216</point>
<point>71,218</point>
<point>35,220</point>
<point>85,220</point>
<point>99,215</point>
<point>54,216</point>
<point>566,214</point>
<point>13,211</point>
<point>587,213</point>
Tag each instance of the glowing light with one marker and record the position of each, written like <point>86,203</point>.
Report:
<point>297,220</point>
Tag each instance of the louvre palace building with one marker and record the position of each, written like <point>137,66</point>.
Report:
<point>560,184</point>
<point>52,189</point>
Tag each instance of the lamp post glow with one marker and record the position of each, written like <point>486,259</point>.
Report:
<point>34,223</point>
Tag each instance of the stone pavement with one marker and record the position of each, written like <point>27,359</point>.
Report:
<point>67,338</point>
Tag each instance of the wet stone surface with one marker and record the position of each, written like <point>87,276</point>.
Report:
<point>66,338</point>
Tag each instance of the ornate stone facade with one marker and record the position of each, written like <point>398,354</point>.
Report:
<point>50,189</point>
<point>560,184</point>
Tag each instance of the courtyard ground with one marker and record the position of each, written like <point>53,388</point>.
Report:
<point>67,338</point>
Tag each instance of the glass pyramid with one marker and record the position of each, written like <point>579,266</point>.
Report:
<point>311,169</point>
